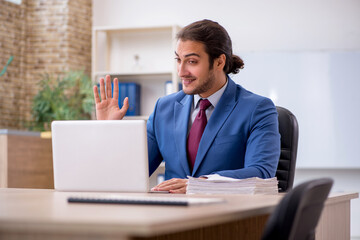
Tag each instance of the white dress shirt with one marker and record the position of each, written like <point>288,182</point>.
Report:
<point>213,99</point>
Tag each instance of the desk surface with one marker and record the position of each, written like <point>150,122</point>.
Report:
<point>48,210</point>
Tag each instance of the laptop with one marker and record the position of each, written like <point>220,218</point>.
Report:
<point>104,156</point>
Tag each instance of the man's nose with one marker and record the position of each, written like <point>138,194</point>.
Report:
<point>182,71</point>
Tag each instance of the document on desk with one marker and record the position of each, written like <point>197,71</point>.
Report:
<point>145,200</point>
<point>216,184</point>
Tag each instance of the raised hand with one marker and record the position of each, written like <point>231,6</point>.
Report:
<point>108,108</point>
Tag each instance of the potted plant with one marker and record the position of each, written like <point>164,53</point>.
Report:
<point>66,97</point>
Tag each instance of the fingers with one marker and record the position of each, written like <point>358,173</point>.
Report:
<point>180,190</point>
<point>108,86</point>
<point>125,106</point>
<point>105,89</point>
<point>96,94</point>
<point>174,185</point>
<point>102,89</point>
<point>116,89</point>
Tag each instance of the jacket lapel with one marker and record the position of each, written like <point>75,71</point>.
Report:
<point>222,111</point>
<point>181,115</point>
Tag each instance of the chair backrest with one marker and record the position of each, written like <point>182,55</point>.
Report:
<point>298,213</point>
<point>289,132</point>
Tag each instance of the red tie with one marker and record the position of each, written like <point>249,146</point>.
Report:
<point>196,132</point>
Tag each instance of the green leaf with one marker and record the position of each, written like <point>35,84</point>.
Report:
<point>67,96</point>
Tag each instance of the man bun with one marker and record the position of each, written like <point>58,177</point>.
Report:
<point>236,63</point>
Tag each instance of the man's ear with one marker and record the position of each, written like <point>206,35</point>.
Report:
<point>219,62</point>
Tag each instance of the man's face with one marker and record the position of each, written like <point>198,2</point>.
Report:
<point>194,69</point>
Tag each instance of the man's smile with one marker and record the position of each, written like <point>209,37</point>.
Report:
<point>187,81</point>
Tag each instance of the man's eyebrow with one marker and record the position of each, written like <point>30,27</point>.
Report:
<point>192,54</point>
<point>189,55</point>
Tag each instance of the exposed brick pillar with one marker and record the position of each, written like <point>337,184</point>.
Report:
<point>12,29</point>
<point>44,36</point>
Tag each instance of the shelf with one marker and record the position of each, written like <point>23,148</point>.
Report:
<point>134,29</point>
<point>134,50</point>
<point>133,73</point>
<point>144,55</point>
<point>134,76</point>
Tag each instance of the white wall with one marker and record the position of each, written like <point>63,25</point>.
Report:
<point>266,31</point>
<point>253,25</point>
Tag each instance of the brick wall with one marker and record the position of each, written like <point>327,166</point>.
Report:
<point>43,36</point>
<point>79,34</point>
<point>11,44</point>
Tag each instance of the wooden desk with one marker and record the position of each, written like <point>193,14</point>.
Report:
<point>45,214</point>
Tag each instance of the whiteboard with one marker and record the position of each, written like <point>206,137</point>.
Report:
<point>322,89</point>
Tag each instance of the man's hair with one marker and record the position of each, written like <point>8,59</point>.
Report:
<point>216,41</point>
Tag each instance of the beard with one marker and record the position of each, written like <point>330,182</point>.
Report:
<point>204,87</point>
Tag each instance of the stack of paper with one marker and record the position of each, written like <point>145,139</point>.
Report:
<point>216,184</point>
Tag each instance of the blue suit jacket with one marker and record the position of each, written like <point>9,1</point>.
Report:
<point>241,138</point>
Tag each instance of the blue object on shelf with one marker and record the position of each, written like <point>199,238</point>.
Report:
<point>130,90</point>
<point>133,93</point>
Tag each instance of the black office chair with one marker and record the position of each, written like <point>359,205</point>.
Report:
<point>298,213</point>
<point>289,131</point>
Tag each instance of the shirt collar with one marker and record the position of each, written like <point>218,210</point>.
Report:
<point>214,98</point>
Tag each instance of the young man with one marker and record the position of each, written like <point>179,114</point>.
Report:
<point>212,126</point>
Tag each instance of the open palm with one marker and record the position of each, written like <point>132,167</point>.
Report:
<point>107,107</point>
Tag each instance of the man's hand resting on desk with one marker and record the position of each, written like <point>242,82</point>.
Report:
<point>174,185</point>
<point>108,108</point>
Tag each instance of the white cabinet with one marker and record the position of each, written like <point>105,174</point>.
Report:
<point>141,55</point>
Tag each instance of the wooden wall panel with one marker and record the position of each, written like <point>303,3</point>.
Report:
<point>29,162</point>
